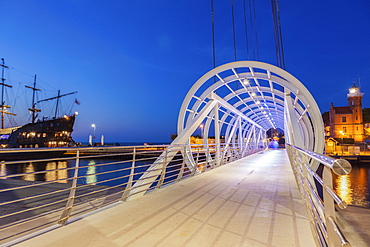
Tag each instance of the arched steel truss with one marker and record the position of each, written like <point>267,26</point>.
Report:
<point>251,96</point>
<point>238,102</point>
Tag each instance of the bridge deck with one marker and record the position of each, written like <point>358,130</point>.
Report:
<point>251,202</point>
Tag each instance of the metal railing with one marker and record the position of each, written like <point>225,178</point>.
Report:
<point>48,191</point>
<point>316,189</point>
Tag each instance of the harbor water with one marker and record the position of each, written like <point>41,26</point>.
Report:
<point>353,188</point>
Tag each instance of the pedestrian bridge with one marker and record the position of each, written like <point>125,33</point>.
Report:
<point>223,207</point>
<point>229,190</point>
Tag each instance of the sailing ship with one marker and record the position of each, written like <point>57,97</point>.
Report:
<point>40,132</point>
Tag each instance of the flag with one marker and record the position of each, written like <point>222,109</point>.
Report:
<point>77,102</point>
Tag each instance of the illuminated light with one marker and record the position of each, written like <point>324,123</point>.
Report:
<point>258,102</point>
<point>76,113</point>
<point>352,90</point>
<point>246,81</point>
<point>253,94</point>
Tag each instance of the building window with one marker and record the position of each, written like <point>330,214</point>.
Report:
<point>345,129</point>
<point>344,119</point>
<point>356,128</point>
<point>356,118</point>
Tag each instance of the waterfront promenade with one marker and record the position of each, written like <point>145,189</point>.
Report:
<point>253,201</point>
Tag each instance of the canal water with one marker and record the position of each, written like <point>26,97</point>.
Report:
<point>91,171</point>
<point>353,188</point>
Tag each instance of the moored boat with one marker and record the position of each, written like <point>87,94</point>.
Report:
<point>40,132</point>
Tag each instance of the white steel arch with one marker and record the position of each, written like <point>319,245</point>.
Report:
<point>236,103</point>
<point>267,96</point>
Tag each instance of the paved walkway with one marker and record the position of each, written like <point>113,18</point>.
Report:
<point>251,202</point>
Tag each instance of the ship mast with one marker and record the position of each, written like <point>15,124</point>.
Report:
<point>3,106</point>
<point>56,97</point>
<point>33,108</point>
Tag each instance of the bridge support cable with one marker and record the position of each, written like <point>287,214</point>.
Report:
<point>247,99</point>
<point>278,35</point>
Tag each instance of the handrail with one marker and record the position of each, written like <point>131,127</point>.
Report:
<point>73,185</point>
<point>338,166</point>
<point>320,200</point>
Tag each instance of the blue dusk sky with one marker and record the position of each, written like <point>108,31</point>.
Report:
<point>132,62</point>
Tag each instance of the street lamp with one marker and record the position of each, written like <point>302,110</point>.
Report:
<point>341,132</point>
<point>94,126</point>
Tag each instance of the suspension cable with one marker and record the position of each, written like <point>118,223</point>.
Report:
<point>279,48</point>
<point>213,38</point>
<point>245,28</point>
<point>255,30</point>
<point>233,27</point>
<point>213,35</point>
<point>252,19</point>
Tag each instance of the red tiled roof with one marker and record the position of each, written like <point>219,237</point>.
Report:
<point>343,110</point>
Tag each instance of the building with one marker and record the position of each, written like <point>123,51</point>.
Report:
<point>347,121</point>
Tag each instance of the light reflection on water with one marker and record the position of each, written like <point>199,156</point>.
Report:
<point>91,171</point>
<point>2,169</point>
<point>53,174</point>
<point>354,187</point>
<point>28,169</point>
<point>343,188</point>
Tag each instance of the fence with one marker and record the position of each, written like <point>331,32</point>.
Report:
<point>318,195</point>
<point>42,193</point>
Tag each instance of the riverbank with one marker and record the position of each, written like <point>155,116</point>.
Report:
<point>354,159</point>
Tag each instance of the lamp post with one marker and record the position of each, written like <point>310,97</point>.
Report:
<point>94,126</point>
<point>341,132</point>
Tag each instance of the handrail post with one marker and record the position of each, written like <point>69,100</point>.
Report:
<point>131,177</point>
<point>208,156</point>
<point>72,194</point>
<point>198,151</point>
<point>163,172</point>
<point>217,155</point>
<point>181,173</point>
